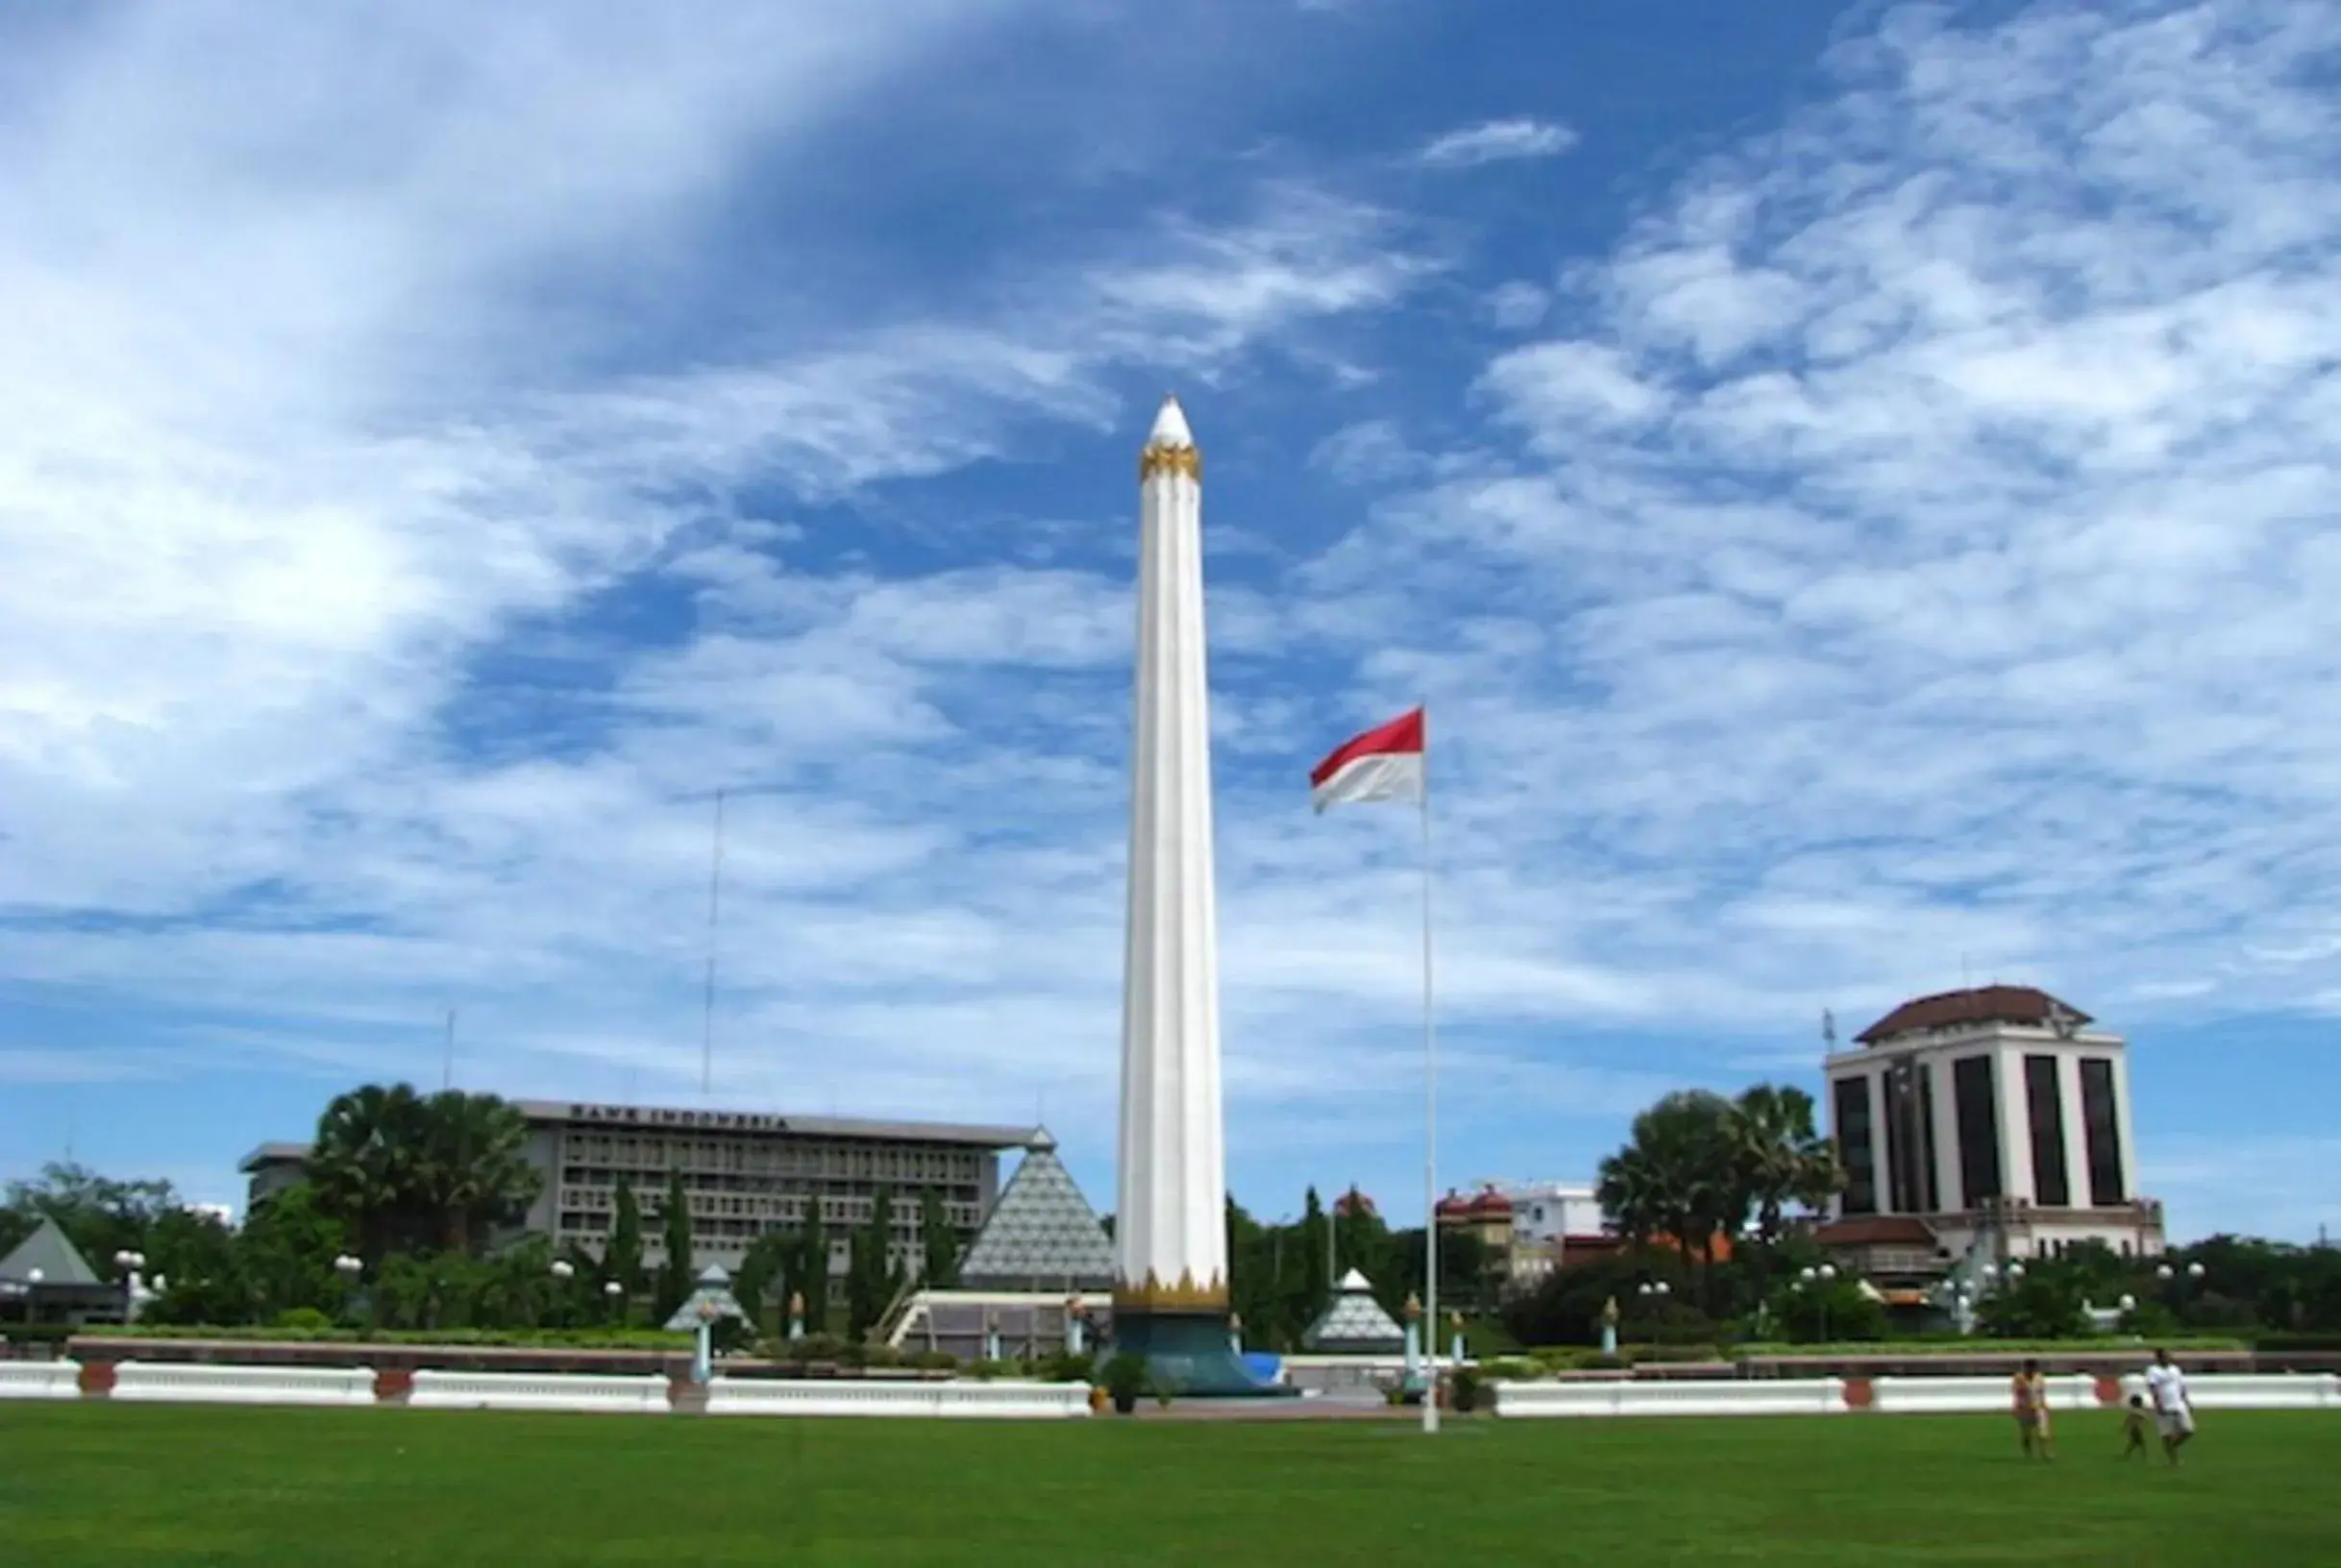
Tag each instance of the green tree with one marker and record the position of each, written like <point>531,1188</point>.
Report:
<point>674,1273</point>
<point>366,1166</point>
<point>1783,1156</point>
<point>941,1240</point>
<point>2046,1303</point>
<point>763,1275</point>
<point>622,1258</point>
<point>1681,1178</point>
<point>99,1215</point>
<point>200,1263</point>
<point>1317,1282</point>
<point>287,1247</point>
<point>812,1273</point>
<point>1834,1310</point>
<point>474,1172</point>
<point>867,1274</point>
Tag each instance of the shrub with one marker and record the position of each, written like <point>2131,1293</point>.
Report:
<point>1511,1369</point>
<point>935,1361</point>
<point>1464,1387</point>
<point>814,1347</point>
<point>1124,1379</point>
<point>304,1320</point>
<point>1067,1367</point>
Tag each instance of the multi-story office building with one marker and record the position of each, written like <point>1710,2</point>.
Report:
<point>1995,1115</point>
<point>744,1172</point>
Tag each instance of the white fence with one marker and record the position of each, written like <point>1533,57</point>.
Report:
<point>1896,1396</point>
<point>1802,1396</point>
<point>538,1391</point>
<point>205,1383</point>
<point>2262,1391</point>
<point>39,1380</point>
<point>1019,1401</point>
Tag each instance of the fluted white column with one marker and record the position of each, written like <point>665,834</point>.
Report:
<point>1169,1226</point>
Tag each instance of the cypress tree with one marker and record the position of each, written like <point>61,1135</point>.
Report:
<point>942,1243</point>
<point>674,1274</point>
<point>812,1274</point>
<point>622,1258</point>
<point>867,1274</point>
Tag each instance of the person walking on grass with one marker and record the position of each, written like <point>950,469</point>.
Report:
<point>2134,1421</point>
<point>2032,1412</point>
<point>2173,1411</point>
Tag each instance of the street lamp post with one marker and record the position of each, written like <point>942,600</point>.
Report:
<point>613,1295</point>
<point>562,1271</point>
<point>130,1263</point>
<point>349,1268</point>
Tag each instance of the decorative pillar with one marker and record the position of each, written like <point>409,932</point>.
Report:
<point>1073,1314</point>
<point>1169,1215</point>
<point>991,1337</point>
<point>1455,1342</point>
<point>795,1315</point>
<point>1609,1327</point>
<point>1235,1334</point>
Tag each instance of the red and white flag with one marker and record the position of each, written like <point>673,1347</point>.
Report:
<point>1383,764</point>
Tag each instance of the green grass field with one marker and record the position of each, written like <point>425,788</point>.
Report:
<point>155,1486</point>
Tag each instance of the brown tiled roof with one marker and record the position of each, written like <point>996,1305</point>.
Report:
<point>1985,1004</point>
<point>1875,1230</point>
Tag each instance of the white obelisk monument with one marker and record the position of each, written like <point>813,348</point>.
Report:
<point>1169,1216</point>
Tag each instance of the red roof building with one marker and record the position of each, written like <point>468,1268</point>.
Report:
<point>1995,1117</point>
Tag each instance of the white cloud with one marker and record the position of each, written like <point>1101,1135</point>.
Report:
<point>1495,141</point>
<point>1907,550</point>
<point>1922,504</point>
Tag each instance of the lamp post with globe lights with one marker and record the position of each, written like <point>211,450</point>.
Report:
<point>130,1263</point>
<point>613,1295</point>
<point>349,1268</point>
<point>563,1271</point>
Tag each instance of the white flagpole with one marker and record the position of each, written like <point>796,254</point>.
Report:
<point>1430,1112</point>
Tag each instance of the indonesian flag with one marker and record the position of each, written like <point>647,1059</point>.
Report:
<point>1383,764</point>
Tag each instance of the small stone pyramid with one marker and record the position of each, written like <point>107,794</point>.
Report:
<point>1042,1234</point>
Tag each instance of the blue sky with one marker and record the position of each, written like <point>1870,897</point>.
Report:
<point>1854,485</point>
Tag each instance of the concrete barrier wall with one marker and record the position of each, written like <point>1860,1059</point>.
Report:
<point>39,1380</point>
<point>1803,1396</point>
<point>2265,1391</point>
<point>197,1384</point>
<point>1901,1396</point>
<point>537,1391</point>
<point>1016,1401</point>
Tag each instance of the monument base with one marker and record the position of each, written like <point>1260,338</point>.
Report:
<point>1188,1354</point>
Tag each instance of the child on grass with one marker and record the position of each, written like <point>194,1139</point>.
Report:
<point>2134,1421</point>
<point>2032,1412</point>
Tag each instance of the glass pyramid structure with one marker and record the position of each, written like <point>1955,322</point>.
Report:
<point>47,1254</point>
<point>1042,1234</point>
<point>1355,1322</point>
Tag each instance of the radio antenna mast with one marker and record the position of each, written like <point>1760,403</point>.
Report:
<point>715,895</point>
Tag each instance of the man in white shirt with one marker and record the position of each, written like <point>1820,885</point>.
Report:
<point>2173,1411</point>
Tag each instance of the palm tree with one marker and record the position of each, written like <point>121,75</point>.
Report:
<point>365,1163</point>
<point>1680,1176</point>
<point>475,1166</point>
<point>1783,1158</point>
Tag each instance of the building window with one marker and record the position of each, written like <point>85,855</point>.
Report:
<point>1854,1145</point>
<point>2044,1097</point>
<point>1910,1126</point>
<point>1979,1130</point>
<point>2102,1130</point>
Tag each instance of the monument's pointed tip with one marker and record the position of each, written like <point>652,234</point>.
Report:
<point>1170,426</point>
